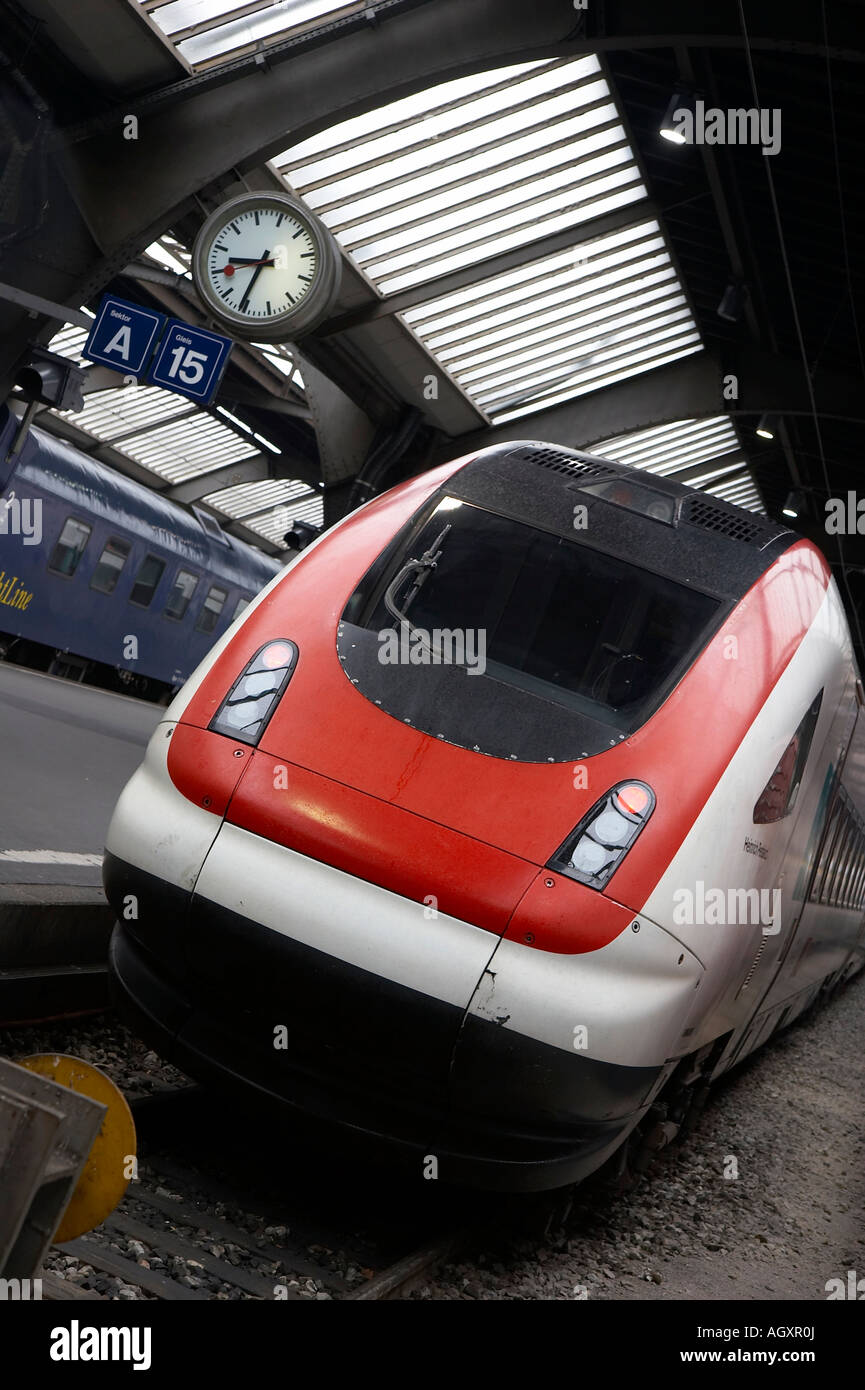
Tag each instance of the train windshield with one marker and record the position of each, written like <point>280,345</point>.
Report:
<point>501,637</point>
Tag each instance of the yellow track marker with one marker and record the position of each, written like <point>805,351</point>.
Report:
<point>102,1182</point>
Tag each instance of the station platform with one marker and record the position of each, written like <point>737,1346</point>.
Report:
<point>67,750</point>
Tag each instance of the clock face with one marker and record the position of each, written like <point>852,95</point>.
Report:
<point>265,267</point>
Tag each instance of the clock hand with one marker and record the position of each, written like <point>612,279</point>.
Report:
<point>241,263</point>
<point>255,274</point>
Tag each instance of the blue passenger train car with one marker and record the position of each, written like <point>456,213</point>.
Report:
<point>104,580</point>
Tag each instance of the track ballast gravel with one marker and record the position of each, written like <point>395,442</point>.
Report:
<point>766,1200</point>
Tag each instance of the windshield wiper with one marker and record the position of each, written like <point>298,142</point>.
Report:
<point>422,568</point>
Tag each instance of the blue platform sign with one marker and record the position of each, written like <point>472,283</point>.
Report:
<point>123,335</point>
<point>190,360</point>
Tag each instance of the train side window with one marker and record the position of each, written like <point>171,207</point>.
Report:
<point>242,603</point>
<point>109,566</point>
<point>856,891</point>
<point>150,572</point>
<point>184,586</point>
<point>839,858</point>
<point>71,544</point>
<point>852,871</point>
<point>211,609</point>
<point>778,797</point>
<point>841,890</point>
<point>827,857</point>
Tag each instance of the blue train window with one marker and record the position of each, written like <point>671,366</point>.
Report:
<point>211,609</point>
<point>184,586</point>
<point>149,574</point>
<point>110,564</point>
<point>70,547</point>
<point>242,602</point>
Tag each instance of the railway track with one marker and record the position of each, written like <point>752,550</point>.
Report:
<point>201,1223</point>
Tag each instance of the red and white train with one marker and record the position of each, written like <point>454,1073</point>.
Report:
<point>521,805</point>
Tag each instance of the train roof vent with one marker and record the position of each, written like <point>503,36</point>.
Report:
<point>559,462</point>
<point>210,524</point>
<point>726,520</point>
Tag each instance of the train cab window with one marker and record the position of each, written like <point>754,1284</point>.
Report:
<point>569,646</point>
<point>241,604</point>
<point>211,609</point>
<point>109,566</point>
<point>778,797</point>
<point>150,572</point>
<point>184,586</point>
<point>70,547</point>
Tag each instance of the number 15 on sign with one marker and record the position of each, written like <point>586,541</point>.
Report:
<point>190,360</point>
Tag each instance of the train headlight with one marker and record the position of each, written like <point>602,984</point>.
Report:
<point>595,849</point>
<point>250,702</point>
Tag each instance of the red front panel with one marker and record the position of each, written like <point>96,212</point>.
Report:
<point>326,726</point>
<point>379,842</point>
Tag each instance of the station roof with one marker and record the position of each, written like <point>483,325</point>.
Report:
<point>414,191</point>
<point>519,234</point>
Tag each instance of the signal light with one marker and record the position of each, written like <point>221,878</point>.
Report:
<point>633,797</point>
<point>276,655</point>
<point>249,704</point>
<point>50,378</point>
<point>595,849</point>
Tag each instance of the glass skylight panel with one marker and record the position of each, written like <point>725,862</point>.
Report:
<point>126,409</point>
<point>636,252</point>
<point>273,525</point>
<point>170,255</point>
<point>278,357</point>
<point>446,179</point>
<point>163,431</point>
<point>578,384</point>
<point>467,169</point>
<point>208,29</point>
<point>744,494</point>
<point>666,449</point>
<point>346,146</point>
<point>581,318</point>
<point>246,499</point>
<point>69,341</point>
<point>188,448</point>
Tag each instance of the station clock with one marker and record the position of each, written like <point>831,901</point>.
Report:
<point>265,267</point>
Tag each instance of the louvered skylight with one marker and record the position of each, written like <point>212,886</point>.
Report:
<point>489,165</point>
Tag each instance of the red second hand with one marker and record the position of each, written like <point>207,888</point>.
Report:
<point>230,269</point>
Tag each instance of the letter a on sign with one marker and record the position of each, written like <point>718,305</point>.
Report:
<point>121,342</point>
<point>123,336</point>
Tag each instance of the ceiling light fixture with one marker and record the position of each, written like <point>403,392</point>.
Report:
<point>732,303</point>
<point>669,128</point>
<point>767,426</point>
<point>794,504</point>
